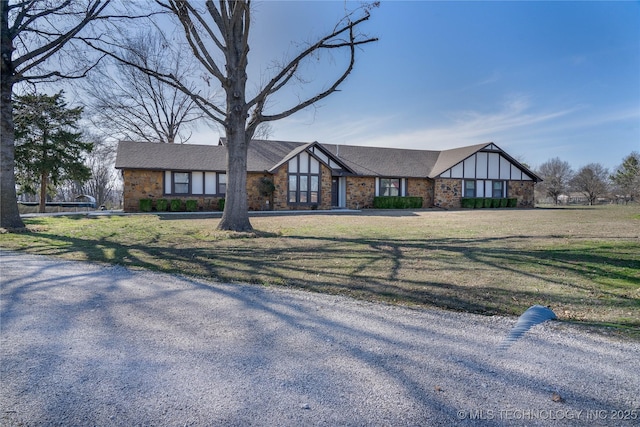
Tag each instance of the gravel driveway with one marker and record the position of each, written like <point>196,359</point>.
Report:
<point>83,344</point>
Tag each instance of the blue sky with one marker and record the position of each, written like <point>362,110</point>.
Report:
<point>540,79</point>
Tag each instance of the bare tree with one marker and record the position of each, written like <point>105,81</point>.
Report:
<point>592,181</point>
<point>33,33</point>
<point>556,175</point>
<point>131,105</point>
<point>103,182</point>
<point>218,35</point>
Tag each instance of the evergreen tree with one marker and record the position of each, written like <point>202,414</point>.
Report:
<point>48,148</point>
<point>627,177</point>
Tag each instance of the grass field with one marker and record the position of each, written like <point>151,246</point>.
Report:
<point>582,261</point>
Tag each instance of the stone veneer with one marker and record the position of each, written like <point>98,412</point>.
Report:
<point>148,184</point>
<point>421,187</point>
<point>280,196</point>
<point>325,190</point>
<point>141,184</point>
<point>360,192</point>
<point>255,200</point>
<point>447,193</point>
<point>281,181</point>
<point>523,190</point>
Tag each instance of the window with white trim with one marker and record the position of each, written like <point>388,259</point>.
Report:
<point>484,188</point>
<point>390,187</point>
<point>195,183</point>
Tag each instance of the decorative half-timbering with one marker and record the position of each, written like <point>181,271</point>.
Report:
<point>323,176</point>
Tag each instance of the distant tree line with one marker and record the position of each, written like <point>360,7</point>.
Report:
<point>591,183</point>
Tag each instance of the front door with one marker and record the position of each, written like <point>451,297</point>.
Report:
<point>335,187</point>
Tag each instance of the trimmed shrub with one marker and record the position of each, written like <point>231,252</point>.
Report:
<point>487,203</point>
<point>478,203</point>
<point>145,205</point>
<point>162,205</point>
<point>503,203</point>
<point>397,202</point>
<point>191,205</point>
<point>512,202</point>
<point>468,202</point>
<point>495,203</point>
<point>220,204</point>
<point>176,205</point>
<point>266,187</point>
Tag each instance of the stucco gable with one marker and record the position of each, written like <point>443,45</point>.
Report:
<point>318,151</point>
<point>482,161</point>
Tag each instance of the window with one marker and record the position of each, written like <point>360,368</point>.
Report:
<point>482,188</point>
<point>469,188</point>
<point>304,179</point>
<point>222,183</point>
<point>195,183</point>
<point>181,182</point>
<point>497,189</point>
<point>390,186</point>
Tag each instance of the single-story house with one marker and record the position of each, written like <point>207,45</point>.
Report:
<point>322,176</point>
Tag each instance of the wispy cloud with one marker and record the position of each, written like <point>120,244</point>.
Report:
<point>471,127</point>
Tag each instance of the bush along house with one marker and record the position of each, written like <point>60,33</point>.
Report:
<point>285,175</point>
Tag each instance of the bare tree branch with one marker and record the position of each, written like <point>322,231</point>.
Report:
<point>208,107</point>
<point>131,104</point>
<point>288,71</point>
<point>35,57</point>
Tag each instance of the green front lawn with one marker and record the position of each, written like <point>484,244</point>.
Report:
<point>583,262</point>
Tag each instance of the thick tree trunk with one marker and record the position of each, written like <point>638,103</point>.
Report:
<point>42,207</point>
<point>236,209</point>
<point>9,214</point>
<point>236,213</point>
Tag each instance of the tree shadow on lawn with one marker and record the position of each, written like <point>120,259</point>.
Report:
<point>474,275</point>
<point>123,359</point>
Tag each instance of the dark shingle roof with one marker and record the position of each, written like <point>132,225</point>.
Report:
<point>389,162</point>
<point>149,155</point>
<point>264,155</point>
